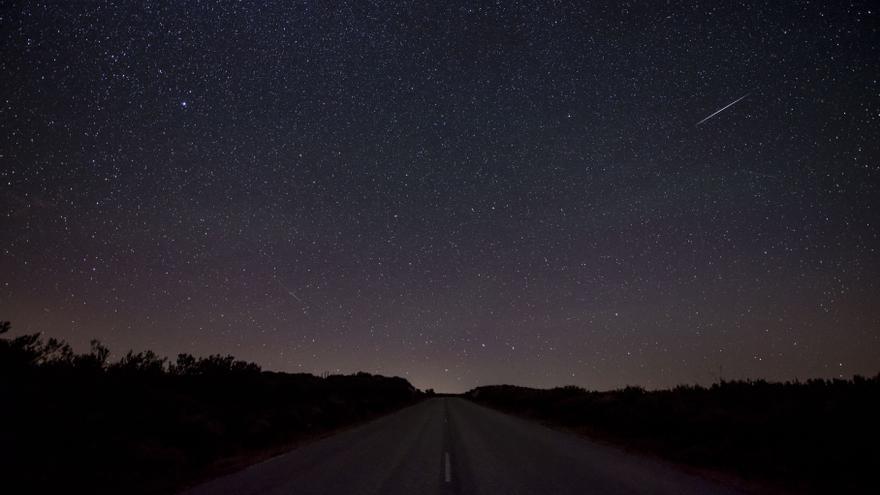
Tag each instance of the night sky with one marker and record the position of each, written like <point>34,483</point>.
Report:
<point>460,194</point>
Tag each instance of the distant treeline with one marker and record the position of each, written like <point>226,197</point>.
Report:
<point>820,436</point>
<point>79,423</point>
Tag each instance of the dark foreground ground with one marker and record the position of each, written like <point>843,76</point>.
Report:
<point>820,436</point>
<point>83,423</point>
<point>451,445</point>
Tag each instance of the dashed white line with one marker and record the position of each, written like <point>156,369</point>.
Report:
<point>448,471</point>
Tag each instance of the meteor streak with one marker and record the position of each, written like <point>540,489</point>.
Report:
<point>734,102</point>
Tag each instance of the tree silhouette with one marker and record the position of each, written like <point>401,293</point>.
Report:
<point>819,436</point>
<point>81,423</point>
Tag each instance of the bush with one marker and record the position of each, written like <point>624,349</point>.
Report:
<point>816,436</point>
<point>76,422</point>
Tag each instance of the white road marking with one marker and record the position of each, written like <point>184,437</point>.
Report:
<point>448,472</point>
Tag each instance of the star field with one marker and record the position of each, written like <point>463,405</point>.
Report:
<point>458,193</point>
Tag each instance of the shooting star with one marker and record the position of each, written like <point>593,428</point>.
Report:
<point>289,292</point>
<point>734,102</point>
<point>761,174</point>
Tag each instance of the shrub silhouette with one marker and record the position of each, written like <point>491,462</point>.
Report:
<point>145,363</point>
<point>80,423</point>
<point>818,436</point>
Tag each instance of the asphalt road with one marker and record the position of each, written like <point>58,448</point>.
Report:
<point>450,445</point>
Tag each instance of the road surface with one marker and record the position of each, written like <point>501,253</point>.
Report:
<point>452,446</point>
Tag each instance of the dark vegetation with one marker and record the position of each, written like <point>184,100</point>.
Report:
<point>817,436</point>
<point>78,423</point>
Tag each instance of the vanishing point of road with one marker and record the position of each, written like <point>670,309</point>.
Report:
<point>453,446</point>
